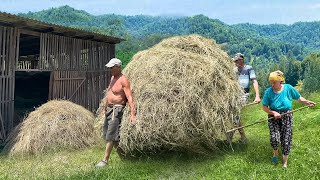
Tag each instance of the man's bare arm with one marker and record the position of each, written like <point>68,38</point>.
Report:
<point>128,93</point>
<point>105,99</point>
<point>109,84</point>
<point>256,89</point>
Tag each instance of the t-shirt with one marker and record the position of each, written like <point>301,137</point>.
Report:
<point>245,75</point>
<point>280,101</point>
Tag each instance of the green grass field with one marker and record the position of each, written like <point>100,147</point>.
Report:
<point>251,161</point>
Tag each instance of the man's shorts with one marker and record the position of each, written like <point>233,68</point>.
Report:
<point>112,122</point>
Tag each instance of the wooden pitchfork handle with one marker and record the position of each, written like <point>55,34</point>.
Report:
<point>252,103</point>
<point>234,129</point>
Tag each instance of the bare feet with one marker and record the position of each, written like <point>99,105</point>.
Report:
<point>285,165</point>
<point>285,161</point>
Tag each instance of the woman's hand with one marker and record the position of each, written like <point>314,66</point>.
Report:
<point>310,103</point>
<point>304,101</point>
<point>276,115</point>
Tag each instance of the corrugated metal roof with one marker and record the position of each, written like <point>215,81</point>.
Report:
<point>45,27</point>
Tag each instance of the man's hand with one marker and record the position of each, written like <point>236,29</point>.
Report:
<point>132,119</point>
<point>257,99</point>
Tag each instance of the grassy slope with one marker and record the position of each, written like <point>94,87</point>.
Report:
<point>247,162</point>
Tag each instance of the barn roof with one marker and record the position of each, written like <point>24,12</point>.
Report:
<point>28,24</point>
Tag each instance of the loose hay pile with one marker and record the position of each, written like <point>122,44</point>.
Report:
<point>54,126</point>
<point>185,89</point>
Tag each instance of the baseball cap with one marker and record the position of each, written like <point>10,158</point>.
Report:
<point>238,56</point>
<point>113,62</point>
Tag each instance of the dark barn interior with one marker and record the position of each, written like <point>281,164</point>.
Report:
<point>31,85</point>
<point>31,90</point>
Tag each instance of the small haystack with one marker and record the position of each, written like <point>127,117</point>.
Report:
<point>54,126</point>
<point>186,92</point>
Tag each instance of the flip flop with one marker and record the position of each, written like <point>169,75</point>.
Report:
<point>102,164</point>
<point>274,160</point>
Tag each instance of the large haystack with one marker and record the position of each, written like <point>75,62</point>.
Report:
<point>54,126</point>
<point>185,89</point>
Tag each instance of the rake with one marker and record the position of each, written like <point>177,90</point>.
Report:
<point>263,120</point>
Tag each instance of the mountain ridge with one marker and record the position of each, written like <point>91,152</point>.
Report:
<point>258,42</point>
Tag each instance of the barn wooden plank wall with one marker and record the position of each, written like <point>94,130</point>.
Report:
<point>84,88</point>
<point>8,53</point>
<point>70,54</point>
<point>79,72</point>
<point>97,83</point>
<point>68,85</point>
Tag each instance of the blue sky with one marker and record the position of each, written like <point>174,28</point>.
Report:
<point>228,11</point>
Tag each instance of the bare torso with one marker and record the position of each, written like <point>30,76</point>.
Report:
<point>115,92</point>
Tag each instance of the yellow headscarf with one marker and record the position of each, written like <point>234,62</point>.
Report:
<point>276,76</point>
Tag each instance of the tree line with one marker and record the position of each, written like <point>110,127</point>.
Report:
<point>294,49</point>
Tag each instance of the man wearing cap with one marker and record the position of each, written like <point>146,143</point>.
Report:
<point>118,94</point>
<point>245,74</point>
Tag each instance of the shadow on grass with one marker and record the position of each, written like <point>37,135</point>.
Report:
<point>174,164</point>
<point>258,151</point>
<point>162,163</point>
<point>1,148</point>
<point>222,148</point>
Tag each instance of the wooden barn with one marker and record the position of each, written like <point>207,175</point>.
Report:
<point>42,61</point>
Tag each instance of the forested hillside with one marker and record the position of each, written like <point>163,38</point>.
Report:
<point>302,33</point>
<point>144,31</point>
<point>266,47</point>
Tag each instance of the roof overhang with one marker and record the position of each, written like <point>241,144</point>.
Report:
<point>32,25</point>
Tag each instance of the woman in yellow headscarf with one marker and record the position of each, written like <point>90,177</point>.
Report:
<point>277,100</point>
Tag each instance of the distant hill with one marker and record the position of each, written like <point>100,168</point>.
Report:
<point>302,33</point>
<point>260,44</point>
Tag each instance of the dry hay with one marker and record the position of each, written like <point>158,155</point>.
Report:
<point>184,89</point>
<point>100,117</point>
<point>54,126</point>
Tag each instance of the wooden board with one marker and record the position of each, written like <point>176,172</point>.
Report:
<point>8,53</point>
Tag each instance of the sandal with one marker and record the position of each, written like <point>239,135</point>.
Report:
<point>102,164</point>
<point>274,160</point>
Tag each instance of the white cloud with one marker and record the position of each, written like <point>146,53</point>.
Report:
<point>314,6</point>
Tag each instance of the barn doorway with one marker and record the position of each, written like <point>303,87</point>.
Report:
<point>31,91</point>
<point>31,85</point>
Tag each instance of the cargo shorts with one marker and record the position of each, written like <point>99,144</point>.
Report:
<point>112,122</point>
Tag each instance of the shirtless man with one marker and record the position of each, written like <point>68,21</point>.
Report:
<point>118,94</point>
